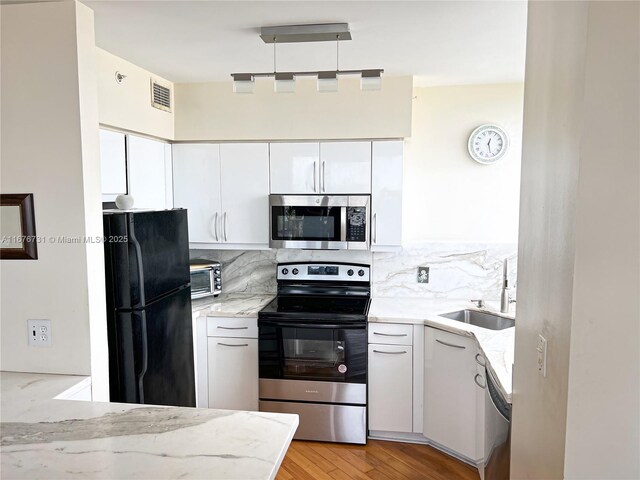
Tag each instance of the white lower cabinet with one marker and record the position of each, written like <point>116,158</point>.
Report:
<point>390,379</point>
<point>390,388</point>
<point>232,366</point>
<point>451,393</point>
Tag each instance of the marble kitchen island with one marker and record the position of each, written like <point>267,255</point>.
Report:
<point>43,438</point>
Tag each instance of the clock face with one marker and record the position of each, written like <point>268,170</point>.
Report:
<point>488,143</point>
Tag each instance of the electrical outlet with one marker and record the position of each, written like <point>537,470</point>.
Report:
<point>39,332</point>
<point>423,274</point>
<point>542,355</point>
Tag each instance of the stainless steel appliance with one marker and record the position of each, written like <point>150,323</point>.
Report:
<point>206,278</point>
<point>497,439</point>
<point>149,307</point>
<point>313,349</point>
<point>327,222</point>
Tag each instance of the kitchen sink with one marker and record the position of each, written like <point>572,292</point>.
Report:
<point>487,320</point>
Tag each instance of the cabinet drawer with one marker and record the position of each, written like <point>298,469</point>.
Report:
<point>232,327</point>
<point>391,333</point>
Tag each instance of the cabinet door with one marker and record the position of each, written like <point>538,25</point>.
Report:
<point>294,167</point>
<point>147,165</point>
<point>345,167</point>
<point>245,193</point>
<point>386,195</point>
<point>390,388</point>
<point>196,187</point>
<point>233,373</point>
<point>450,391</point>
<point>113,164</point>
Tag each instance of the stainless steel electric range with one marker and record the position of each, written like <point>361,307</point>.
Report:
<point>313,349</point>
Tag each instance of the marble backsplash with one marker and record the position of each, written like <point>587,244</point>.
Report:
<point>456,270</point>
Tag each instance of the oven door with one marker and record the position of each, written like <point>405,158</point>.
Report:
<point>308,221</point>
<point>202,282</point>
<point>312,351</point>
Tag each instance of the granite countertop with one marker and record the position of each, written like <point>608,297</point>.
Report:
<point>231,304</point>
<point>496,345</point>
<point>46,438</point>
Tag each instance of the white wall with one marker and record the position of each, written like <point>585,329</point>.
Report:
<point>447,195</point>
<point>127,105</point>
<point>603,412</point>
<point>211,111</point>
<point>50,148</point>
<point>578,246</point>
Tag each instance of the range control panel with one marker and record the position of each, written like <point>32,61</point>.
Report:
<point>323,272</point>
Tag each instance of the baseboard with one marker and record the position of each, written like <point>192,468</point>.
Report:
<point>420,439</point>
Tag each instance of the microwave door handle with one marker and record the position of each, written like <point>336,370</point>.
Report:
<point>343,224</point>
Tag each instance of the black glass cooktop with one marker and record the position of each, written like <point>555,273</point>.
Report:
<point>300,306</point>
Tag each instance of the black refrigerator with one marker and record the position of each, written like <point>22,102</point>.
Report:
<point>149,307</point>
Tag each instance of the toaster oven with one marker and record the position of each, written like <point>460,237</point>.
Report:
<point>206,278</point>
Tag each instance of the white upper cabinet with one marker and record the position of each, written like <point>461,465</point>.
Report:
<point>196,187</point>
<point>149,170</point>
<point>345,168</point>
<point>386,195</point>
<point>294,168</point>
<point>113,164</point>
<point>245,193</point>
<point>225,189</point>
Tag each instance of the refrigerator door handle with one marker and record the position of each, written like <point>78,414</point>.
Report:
<point>138,254</point>
<point>145,355</point>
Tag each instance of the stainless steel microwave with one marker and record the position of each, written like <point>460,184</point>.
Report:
<point>322,222</point>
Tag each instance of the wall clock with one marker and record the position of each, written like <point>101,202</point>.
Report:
<point>488,144</point>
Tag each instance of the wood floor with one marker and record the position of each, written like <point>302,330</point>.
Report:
<point>378,460</point>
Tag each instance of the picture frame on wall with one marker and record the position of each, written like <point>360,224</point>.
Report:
<point>18,239</point>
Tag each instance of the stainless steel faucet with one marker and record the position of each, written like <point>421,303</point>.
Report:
<point>505,297</point>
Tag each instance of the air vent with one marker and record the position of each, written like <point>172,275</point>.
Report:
<point>160,96</point>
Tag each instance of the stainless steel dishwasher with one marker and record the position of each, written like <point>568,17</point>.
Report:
<point>497,440</point>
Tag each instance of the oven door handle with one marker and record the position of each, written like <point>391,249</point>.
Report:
<point>341,326</point>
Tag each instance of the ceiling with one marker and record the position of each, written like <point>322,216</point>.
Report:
<point>438,42</point>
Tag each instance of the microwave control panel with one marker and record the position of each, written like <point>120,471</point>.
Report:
<point>356,224</point>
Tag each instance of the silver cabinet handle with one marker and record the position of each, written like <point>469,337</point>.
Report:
<point>483,363</point>
<point>230,345</point>
<point>392,334</point>
<point>450,344</point>
<point>232,328</point>
<point>315,187</point>
<point>224,225</point>
<point>215,226</point>
<point>475,379</point>
<point>375,228</point>
<point>324,169</point>
<point>390,353</point>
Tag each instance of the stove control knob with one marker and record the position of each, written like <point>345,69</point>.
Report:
<point>285,271</point>
<point>216,271</point>
<point>295,271</point>
<point>350,272</point>
<point>361,273</point>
